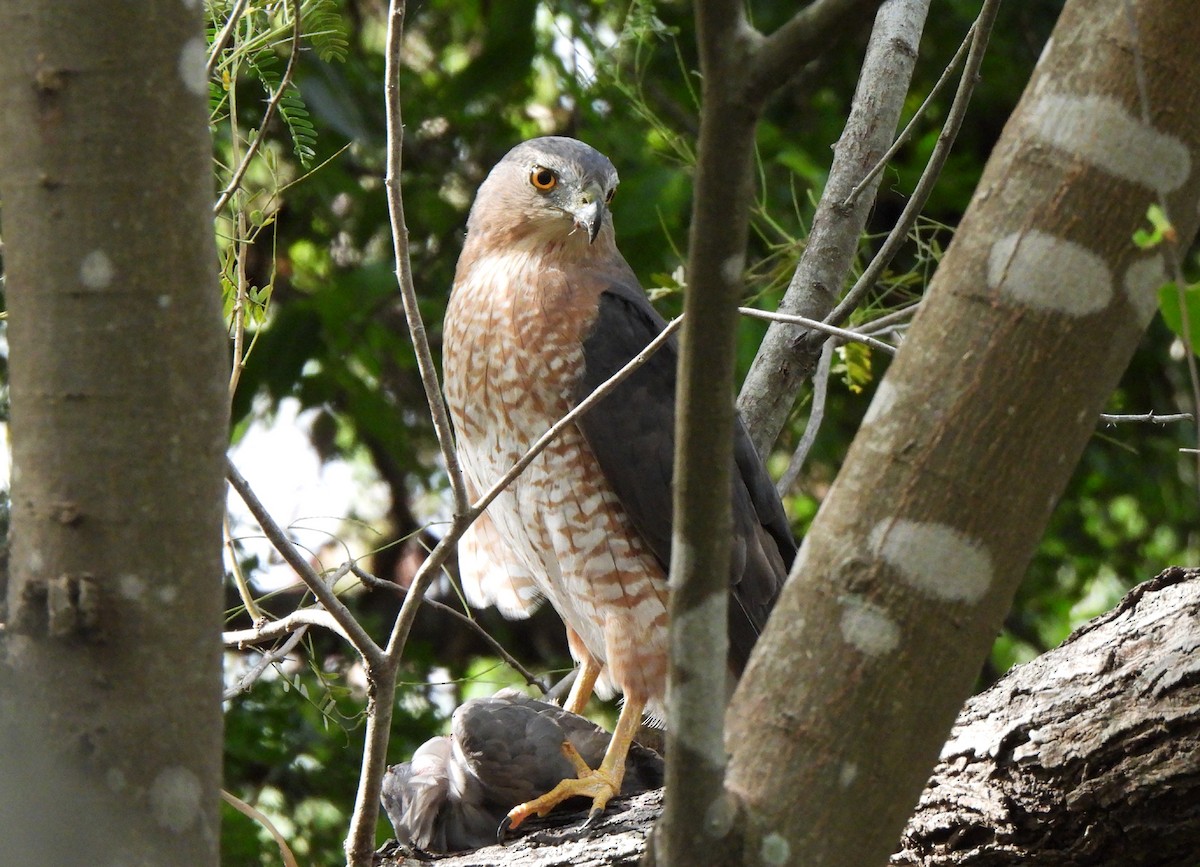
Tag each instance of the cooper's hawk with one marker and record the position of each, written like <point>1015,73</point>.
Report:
<point>544,309</point>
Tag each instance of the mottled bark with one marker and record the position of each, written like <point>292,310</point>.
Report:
<point>110,660</point>
<point>911,564</point>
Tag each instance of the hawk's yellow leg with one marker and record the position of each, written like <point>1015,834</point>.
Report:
<point>599,784</point>
<point>581,689</point>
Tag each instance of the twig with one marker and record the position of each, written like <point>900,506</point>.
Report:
<point>816,325</point>
<point>815,416</point>
<point>272,629</point>
<point>353,630</point>
<point>933,169</point>
<point>907,132</point>
<point>408,293</point>
<point>374,581</point>
<point>222,39</point>
<point>890,320</point>
<point>289,860</point>
<point>239,579</point>
<point>1145,418</point>
<point>241,245</point>
<point>268,115</point>
<point>786,359</point>
<point>801,39</point>
<point>268,659</point>
<point>583,406</point>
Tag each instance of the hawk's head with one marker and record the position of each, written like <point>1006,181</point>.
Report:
<point>551,184</point>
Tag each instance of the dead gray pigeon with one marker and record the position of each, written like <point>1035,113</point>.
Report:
<point>502,751</point>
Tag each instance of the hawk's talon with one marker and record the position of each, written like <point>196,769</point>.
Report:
<point>582,768</point>
<point>599,785</point>
<point>502,830</point>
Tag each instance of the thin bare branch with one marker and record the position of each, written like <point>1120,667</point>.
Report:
<point>786,359</point>
<point>888,321</point>
<point>583,406</point>
<point>239,579</point>
<point>289,859</point>
<point>302,617</point>
<point>353,630</point>
<point>269,658</point>
<point>392,587</point>
<point>817,325</point>
<point>408,293</point>
<point>1151,417</point>
<point>214,54</point>
<point>815,416</point>
<point>907,132</point>
<point>933,169</point>
<point>272,106</point>
<point>802,39</point>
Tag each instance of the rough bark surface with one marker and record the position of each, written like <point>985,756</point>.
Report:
<point>1088,755</point>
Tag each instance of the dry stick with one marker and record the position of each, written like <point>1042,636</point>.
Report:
<point>890,320</point>
<point>268,659</point>
<point>1169,251</point>
<point>371,653</point>
<point>933,169</point>
<point>241,245</point>
<point>815,416</point>
<point>222,39</point>
<point>1151,417</point>
<point>408,293</point>
<point>374,581</point>
<point>289,860</point>
<point>907,132</point>
<point>239,579</point>
<point>301,617</point>
<point>272,106</point>
<point>583,406</point>
<point>786,357</point>
<point>360,836</point>
<point>815,325</point>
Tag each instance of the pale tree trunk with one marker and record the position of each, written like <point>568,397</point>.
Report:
<point>912,562</point>
<point>111,715</point>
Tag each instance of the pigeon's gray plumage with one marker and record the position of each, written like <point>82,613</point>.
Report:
<point>502,751</point>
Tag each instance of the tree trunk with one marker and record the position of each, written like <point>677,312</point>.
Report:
<point>111,722</point>
<point>1086,757</point>
<point>908,570</point>
<point>1089,756</point>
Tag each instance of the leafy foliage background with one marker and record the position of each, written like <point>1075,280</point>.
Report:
<point>307,237</point>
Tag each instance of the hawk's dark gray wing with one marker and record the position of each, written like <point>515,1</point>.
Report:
<point>631,432</point>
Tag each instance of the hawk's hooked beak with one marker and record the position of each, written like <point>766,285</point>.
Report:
<point>589,213</point>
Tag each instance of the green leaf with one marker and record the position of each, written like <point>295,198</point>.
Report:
<point>1160,230</point>
<point>854,365</point>
<point>1172,313</point>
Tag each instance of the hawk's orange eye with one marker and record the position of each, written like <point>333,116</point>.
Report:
<point>543,178</point>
